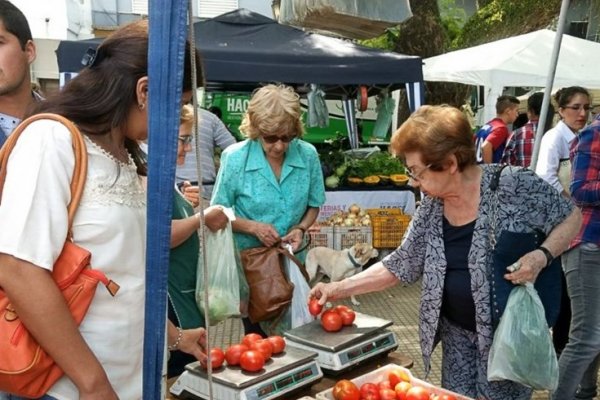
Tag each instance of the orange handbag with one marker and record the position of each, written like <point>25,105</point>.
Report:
<point>25,368</point>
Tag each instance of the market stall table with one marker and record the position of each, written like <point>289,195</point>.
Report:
<point>377,197</point>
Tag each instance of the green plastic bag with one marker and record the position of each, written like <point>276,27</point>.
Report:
<point>522,350</point>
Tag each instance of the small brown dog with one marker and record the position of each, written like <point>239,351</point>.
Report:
<point>338,264</point>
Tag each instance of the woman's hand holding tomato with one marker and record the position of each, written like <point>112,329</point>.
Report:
<point>216,359</point>
<point>314,308</point>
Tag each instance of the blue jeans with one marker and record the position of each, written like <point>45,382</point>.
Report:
<point>577,361</point>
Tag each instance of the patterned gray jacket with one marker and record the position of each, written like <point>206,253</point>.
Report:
<point>526,202</point>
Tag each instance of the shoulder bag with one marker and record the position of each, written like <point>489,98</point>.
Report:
<point>507,248</point>
<point>270,290</point>
<point>25,368</point>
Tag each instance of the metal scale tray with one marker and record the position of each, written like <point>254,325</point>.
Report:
<point>313,334</point>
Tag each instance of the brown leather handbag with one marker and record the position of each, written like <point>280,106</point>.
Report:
<point>270,290</point>
<point>25,368</point>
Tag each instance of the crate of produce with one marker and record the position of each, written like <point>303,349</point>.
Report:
<point>345,237</point>
<point>389,225</point>
<point>321,236</point>
<point>382,374</point>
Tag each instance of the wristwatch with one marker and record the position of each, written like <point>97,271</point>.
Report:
<point>549,256</point>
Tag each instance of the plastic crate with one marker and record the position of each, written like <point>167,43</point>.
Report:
<point>380,374</point>
<point>389,225</point>
<point>321,236</point>
<point>345,237</point>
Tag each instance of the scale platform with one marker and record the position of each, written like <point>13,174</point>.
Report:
<point>345,349</point>
<point>282,374</point>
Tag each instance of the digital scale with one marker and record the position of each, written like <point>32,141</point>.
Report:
<point>282,374</point>
<point>342,350</point>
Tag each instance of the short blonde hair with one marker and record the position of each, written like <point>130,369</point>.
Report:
<point>273,109</point>
<point>436,132</point>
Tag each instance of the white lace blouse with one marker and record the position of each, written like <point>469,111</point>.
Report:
<point>110,222</point>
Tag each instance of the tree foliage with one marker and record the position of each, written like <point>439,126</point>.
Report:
<point>500,19</point>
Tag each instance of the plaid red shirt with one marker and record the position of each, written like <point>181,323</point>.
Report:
<point>585,181</point>
<point>520,145</point>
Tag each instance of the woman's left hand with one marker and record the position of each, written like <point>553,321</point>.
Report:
<point>193,342</point>
<point>295,238</point>
<point>527,268</point>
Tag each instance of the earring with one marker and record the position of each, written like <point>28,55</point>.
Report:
<point>141,106</point>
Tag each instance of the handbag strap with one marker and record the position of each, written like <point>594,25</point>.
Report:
<point>493,187</point>
<point>79,169</point>
<point>295,260</point>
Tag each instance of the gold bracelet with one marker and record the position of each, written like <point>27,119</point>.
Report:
<point>175,346</point>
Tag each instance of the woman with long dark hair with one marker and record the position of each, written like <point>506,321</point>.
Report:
<point>108,101</point>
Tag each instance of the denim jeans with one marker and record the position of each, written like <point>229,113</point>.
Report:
<point>582,272</point>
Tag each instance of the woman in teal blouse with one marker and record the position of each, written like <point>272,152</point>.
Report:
<point>272,180</point>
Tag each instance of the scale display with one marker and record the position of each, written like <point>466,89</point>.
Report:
<point>371,346</point>
<point>282,375</point>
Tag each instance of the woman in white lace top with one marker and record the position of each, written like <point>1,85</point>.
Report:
<point>102,359</point>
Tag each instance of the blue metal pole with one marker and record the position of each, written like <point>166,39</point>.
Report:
<point>167,21</point>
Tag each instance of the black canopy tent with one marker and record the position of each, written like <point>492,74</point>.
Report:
<point>241,48</point>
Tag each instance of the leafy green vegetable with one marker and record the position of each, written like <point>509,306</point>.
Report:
<point>380,163</point>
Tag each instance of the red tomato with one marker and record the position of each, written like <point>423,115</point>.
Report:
<point>384,385</point>
<point>348,317</point>
<point>233,353</point>
<point>264,346</point>
<point>251,338</point>
<point>252,361</point>
<point>314,308</point>
<point>369,391</point>
<point>401,388</point>
<point>417,393</point>
<point>341,308</point>
<point>278,344</point>
<point>216,359</point>
<point>446,397</point>
<point>331,321</point>
<point>387,394</point>
<point>398,375</point>
<point>346,390</point>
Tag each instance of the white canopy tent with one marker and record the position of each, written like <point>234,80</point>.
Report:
<point>522,60</point>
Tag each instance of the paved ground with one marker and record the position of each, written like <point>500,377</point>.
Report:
<point>398,304</point>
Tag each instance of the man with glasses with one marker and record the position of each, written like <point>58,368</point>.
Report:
<point>491,138</point>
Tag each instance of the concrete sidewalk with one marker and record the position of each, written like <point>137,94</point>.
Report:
<point>399,304</point>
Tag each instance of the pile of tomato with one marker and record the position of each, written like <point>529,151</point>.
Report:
<point>332,319</point>
<point>395,386</point>
<point>250,355</point>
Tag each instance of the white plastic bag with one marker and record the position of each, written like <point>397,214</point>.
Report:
<point>297,313</point>
<point>226,283</point>
<point>522,350</point>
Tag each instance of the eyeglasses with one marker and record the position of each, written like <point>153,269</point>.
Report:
<point>417,176</point>
<point>185,140</point>
<point>579,107</point>
<point>271,139</point>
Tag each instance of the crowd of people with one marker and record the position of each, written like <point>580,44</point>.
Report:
<point>272,180</point>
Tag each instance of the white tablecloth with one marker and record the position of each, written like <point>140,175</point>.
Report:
<point>341,200</point>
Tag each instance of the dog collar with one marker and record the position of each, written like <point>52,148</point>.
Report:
<point>353,261</point>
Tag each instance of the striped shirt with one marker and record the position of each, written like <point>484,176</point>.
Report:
<point>211,132</point>
<point>585,181</point>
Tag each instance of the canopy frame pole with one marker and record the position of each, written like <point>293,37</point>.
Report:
<point>549,83</point>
